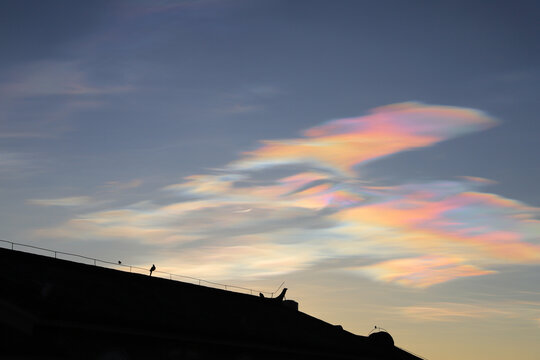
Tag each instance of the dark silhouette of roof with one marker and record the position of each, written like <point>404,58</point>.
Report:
<point>51,308</point>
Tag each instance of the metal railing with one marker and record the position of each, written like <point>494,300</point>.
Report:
<point>134,269</point>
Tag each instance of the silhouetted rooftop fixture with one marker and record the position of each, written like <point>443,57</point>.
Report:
<point>381,337</point>
<point>280,297</point>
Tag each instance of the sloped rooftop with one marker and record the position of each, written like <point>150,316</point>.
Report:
<point>66,309</point>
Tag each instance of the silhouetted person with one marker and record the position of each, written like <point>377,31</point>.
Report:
<point>152,269</point>
<point>261,295</point>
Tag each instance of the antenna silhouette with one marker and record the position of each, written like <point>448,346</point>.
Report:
<point>278,288</point>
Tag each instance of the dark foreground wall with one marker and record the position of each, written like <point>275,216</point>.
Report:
<point>57,309</point>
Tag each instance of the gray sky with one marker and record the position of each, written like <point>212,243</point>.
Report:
<point>136,129</point>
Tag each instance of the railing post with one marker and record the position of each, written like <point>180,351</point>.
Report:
<point>199,281</point>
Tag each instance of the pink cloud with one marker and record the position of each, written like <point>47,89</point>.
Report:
<point>343,144</point>
<point>423,271</point>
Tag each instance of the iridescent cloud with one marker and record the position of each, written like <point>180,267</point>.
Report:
<point>241,222</point>
<point>342,144</point>
<point>422,271</point>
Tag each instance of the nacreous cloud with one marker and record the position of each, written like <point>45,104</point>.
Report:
<point>341,144</point>
<point>246,221</point>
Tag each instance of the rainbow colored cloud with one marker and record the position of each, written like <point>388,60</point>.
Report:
<point>342,144</point>
<point>422,271</point>
<point>245,220</point>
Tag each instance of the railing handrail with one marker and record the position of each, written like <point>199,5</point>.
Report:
<point>96,260</point>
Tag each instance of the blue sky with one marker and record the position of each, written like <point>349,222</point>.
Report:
<point>362,151</point>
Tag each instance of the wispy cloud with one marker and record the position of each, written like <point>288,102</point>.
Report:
<point>22,135</point>
<point>249,220</point>
<point>15,164</point>
<point>198,8</point>
<point>100,198</point>
<point>422,271</point>
<point>53,78</point>
<point>9,160</point>
<point>446,312</point>
<point>39,99</point>
<point>528,311</point>
<point>64,201</point>
<point>119,185</point>
<point>247,99</point>
<point>239,108</point>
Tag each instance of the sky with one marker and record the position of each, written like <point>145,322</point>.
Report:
<point>378,157</point>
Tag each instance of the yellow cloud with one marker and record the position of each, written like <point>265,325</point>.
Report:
<point>422,271</point>
<point>451,312</point>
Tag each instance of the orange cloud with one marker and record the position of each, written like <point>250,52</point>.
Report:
<point>455,223</point>
<point>422,271</point>
<point>342,144</point>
